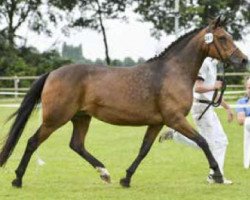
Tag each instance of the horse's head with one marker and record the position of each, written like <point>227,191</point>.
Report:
<point>219,44</point>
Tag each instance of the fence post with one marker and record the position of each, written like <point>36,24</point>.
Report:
<point>16,82</point>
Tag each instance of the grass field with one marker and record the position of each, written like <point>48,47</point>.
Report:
<point>170,171</point>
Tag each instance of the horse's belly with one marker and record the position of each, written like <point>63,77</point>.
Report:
<point>122,117</point>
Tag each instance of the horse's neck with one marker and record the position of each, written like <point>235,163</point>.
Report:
<point>189,59</point>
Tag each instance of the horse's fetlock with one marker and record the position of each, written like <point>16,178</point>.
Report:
<point>18,173</point>
<point>129,173</point>
<point>17,183</point>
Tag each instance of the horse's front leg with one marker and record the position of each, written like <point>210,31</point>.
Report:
<point>148,140</point>
<point>180,124</point>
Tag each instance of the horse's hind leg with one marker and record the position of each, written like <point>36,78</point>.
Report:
<point>81,123</point>
<point>181,125</point>
<point>148,140</point>
<point>41,134</point>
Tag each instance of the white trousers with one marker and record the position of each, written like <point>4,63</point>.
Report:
<point>246,143</point>
<point>210,128</point>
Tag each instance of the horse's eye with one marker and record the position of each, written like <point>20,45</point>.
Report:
<point>223,39</point>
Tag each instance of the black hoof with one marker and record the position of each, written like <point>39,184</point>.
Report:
<point>125,182</point>
<point>17,183</point>
<point>218,178</point>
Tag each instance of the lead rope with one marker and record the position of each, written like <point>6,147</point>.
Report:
<point>213,102</point>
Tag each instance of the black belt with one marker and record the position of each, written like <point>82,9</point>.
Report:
<point>202,101</point>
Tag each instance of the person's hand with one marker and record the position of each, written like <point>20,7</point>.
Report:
<point>230,115</point>
<point>218,85</point>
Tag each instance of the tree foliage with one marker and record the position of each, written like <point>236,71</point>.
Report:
<point>161,14</point>
<point>128,61</point>
<point>28,61</point>
<point>14,13</point>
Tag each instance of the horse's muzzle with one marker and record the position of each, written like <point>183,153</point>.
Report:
<point>238,59</point>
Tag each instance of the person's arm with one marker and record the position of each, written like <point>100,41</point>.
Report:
<point>241,117</point>
<point>199,86</point>
<point>230,114</point>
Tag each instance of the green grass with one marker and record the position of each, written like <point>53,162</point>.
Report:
<point>170,171</point>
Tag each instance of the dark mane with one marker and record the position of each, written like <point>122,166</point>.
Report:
<point>173,44</point>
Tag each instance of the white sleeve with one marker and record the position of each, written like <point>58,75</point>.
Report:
<point>202,75</point>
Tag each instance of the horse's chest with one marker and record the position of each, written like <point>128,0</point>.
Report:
<point>176,96</point>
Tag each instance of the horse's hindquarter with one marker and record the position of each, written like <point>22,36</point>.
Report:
<point>61,96</point>
<point>122,96</point>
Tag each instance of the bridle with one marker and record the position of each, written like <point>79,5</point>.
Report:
<point>224,60</point>
<point>214,102</point>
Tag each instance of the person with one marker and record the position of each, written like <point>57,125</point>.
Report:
<point>243,118</point>
<point>209,125</point>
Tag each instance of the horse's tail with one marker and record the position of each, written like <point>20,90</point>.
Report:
<point>30,100</point>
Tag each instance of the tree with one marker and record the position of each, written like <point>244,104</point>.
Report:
<point>116,63</point>
<point>28,61</point>
<point>14,13</point>
<point>92,14</point>
<point>161,12</point>
<point>99,61</point>
<point>127,62</point>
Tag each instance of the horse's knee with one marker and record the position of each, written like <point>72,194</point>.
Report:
<point>75,147</point>
<point>72,146</point>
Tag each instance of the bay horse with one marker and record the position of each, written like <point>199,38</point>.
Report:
<point>155,93</point>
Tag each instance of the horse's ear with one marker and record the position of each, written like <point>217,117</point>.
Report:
<point>217,22</point>
<point>214,23</point>
<point>223,21</point>
<point>210,23</point>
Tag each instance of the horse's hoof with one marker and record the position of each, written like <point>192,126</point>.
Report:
<point>125,182</point>
<point>106,178</point>
<point>104,174</point>
<point>17,183</point>
<point>217,177</point>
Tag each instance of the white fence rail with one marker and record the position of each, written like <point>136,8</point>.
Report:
<point>16,90</point>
